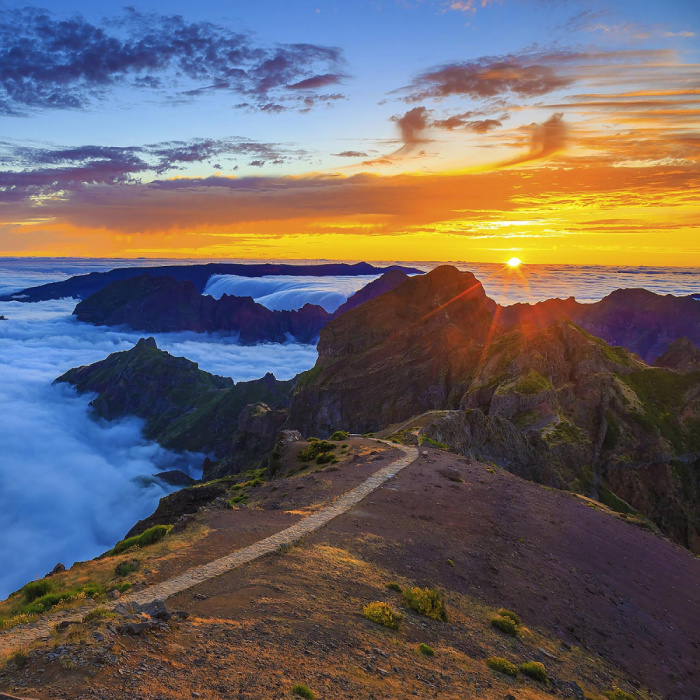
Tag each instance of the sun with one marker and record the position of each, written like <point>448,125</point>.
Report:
<point>514,262</point>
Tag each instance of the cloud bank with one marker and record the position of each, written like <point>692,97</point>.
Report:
<point>70,487</point>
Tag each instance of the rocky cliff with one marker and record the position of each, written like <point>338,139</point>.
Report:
<point>547,400</point>
<point>185,408</point>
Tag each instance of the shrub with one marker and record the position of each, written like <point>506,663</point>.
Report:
<point>324,458</point>
<point>426,601</point>
<point>617,694</point>
<point>98,614</point>
<point>125,568</point>
<point>535,670</point>
<point>426,650</point>
<point>450,562</point>
<point>393,586</point>
<point>308,454</point>
<point>36,589</point>
<point>46,602</point>
<point>434,443</point>
<point>19,659</point>
<point>505,624</point>
<point>381,614</point>
<point>151,536</point>
<point>501,665</point>
<point>303,691</point>
<point>510,614</point>
<point>339,435</point>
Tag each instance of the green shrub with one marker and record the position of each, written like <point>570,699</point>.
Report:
<point>308,454</point>
<point>381,614</point>
<point>151,536</point>
<point>426,650</point>
<point>617,694</point>
<point>497,663</point>
<point>426,601</point>
<point>392,586</point>
<point>345,447</point>
<point>46,602</point>
<point>535,670</point>
<point>510,614</point>
<point>36,589</point>
<point>324,458</point>
<point>450,562</point>
<point>434,443</point>
<point>19,659</point>
<point>339,435</point>
<point>303,691</point>
<point>505,624</point>
<point>256,482</point>
<point>125,568</point>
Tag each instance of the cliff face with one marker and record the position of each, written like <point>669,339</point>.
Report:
<point>410,350</point>
<point>682,355</point>
<point>184,407</point>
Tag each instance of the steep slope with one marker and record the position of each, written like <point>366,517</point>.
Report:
<point>412,349</point>
<point>639,320</point>
<point>82,286</point>
<point>682,355</point>
<point>186,408</point>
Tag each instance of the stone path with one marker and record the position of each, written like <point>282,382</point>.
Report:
<point>42,628</point>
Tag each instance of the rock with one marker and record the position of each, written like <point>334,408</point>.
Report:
<point>184,521</point>
<point>175,477</point>
<point>138,627</point>
<point>156,609</point>
<point>449,473</point>
<point>221,503</point>
<point>127,608</point>
<point>58,569</point>
<point>114,594</point>
<point>98,636</point>
<point>682,355</point>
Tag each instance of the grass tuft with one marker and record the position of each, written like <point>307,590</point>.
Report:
<point>381,614</point>
<point>510,614</point>
<point>303,691</point>
<point>393,586</point>
<point>151,536</point>
<point>426,601</point>
<point>535,670</point>
<point>498,663</point>
<point>426,650</point>
<point>505,624</point>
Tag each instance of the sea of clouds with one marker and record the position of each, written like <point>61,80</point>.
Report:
<point>70,486</point>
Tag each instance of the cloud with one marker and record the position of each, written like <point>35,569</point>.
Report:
<point>546,138</point>
<point>412,124</point>
<point>70,487</point>
<point>457,121</point>
<point>486,78</point>
<point>52,63</point>
<point>351,154</point>
<point>46,171</point>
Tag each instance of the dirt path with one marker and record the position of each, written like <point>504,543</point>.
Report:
<point>42,628</point>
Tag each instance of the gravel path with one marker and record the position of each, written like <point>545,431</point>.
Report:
<point>41,629</point>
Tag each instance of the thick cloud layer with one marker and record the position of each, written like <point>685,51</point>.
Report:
<point>71,487</point>
<point>285,292</point>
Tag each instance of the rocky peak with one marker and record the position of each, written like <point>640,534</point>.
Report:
<point>682,355</point>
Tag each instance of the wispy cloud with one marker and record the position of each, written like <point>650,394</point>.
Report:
<point>52,63</point>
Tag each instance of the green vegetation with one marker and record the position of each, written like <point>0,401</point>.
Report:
<point>532,382</point>
<point>339,435</point>
<point>617,694</point>
<point>125,568</point>
<point>661,393</point>
<point>99,614</point>
<point>151,536</point>
<point>36,589</point>
<point>426,650</point>
<point>392,586</point>
<point>509,614</point>
<point>535,670</point>
<point>326,458</point>
<point>566,432</point>
<point>303,691</point>
<point>46,602</point>
<point>315,448</point>
<point>498,663</point>
<point>505,624</point>
<point>426,601</point>
<point>434,443</point>
<point>613,353</point>
<point>450,563</point>
<point>609,499</point>
<point>19,659</point>
<point>381,614</point>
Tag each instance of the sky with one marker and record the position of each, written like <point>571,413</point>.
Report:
<point>555,131</point>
